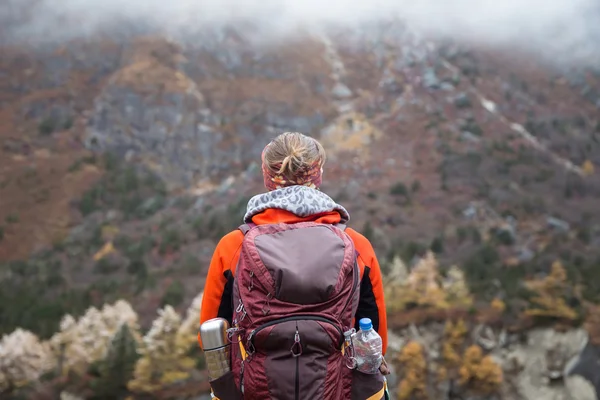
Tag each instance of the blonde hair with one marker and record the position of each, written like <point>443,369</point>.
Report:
<point>292,152</point>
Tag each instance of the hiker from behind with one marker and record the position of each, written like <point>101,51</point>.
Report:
<point>293,282</point>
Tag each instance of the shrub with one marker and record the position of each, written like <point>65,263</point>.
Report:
<point>462,233</point>
<point>412,249</point>
<point>67,123</point>
<point>502,236</point>
<point>105,266</point>
<point>399,189</point>
<point>171,241</point>
<point>12,218</point>
<point>47,126</point>
<point>437,245</point>
<point>480,267</point>
<point>174,295</point>
<point>368,231</point>
<point>138,268</point>
<point>584,234</point>
<point>416,186</point>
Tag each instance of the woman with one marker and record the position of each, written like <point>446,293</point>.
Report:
<point>294,160</point>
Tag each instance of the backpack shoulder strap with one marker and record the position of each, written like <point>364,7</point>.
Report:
<point>343,228</point>
<point>246,227</point>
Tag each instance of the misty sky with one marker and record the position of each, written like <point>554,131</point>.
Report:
<point>551,25</point>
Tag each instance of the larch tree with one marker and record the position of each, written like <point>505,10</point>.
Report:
<point>413,367</point>
<point>188,331</point>
<point>423,284</point>
<point>83,342</point>
<point>549,295</point>
<point>455,286</point>
<point>480,373</point>
<point>454,337</point>
<point>23,359</point>
<point>164,358</point>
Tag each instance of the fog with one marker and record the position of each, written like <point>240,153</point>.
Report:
<point>569,28</point>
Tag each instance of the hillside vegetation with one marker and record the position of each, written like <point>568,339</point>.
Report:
<point>125,158</point>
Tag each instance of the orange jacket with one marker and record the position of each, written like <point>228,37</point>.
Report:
<point>216,301</point>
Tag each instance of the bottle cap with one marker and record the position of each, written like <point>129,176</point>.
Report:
<point>365,324</point>
<point>214,333</point>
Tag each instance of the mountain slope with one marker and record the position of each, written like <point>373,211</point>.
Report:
<point>127,159</point>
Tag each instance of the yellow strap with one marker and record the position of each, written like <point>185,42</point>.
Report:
<point>242,351</point>
<point>379,395</point>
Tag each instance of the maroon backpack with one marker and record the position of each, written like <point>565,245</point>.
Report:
<point>295,296</point>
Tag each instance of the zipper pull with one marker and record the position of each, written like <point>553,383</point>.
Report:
<point>350,354</point>
<point>251,285</point>
<point>296,349</point>
<point>240,307</point>
<point>240,310</point>
<point>231,332</point>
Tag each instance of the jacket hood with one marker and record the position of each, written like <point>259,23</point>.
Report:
<point>299,200</point>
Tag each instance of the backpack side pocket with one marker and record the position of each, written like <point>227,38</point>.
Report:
<point>224,388</point>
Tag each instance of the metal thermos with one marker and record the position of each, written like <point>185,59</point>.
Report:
<point>216,347</point>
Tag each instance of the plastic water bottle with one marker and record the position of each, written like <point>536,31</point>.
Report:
<point>367,348</point>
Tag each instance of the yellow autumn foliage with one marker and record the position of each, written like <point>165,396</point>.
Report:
<point>498,305</point>
<point>549,298</point>
<point>109,232</point>
<point>441,374</point>
<point>588,168</point>
<point>456,289</point>
<point>414,367</point>
<point>107,249</point>
<point>454,336</point>
<point>164,358</point>
<point>478,373</point>
<point>422,288</point>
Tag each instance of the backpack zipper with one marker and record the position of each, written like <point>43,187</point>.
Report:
<point>311,317</point>
<point>295,318</point>
<point>297,385</point>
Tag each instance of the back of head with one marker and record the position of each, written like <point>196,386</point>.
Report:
<point>293,159</point>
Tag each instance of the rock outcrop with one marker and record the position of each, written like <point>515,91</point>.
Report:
<point>546,365</point>
<point>150,111</point>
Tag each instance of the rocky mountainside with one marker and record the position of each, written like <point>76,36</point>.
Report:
<point>126,157</point>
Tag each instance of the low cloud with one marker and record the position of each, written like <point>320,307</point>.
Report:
<point>571,28</point>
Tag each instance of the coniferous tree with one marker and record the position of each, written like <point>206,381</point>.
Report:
<point>115,371</point>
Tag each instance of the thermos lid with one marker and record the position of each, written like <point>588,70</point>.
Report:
<point>214,333</point>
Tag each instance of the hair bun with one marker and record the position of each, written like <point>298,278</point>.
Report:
<point>292,155</point>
